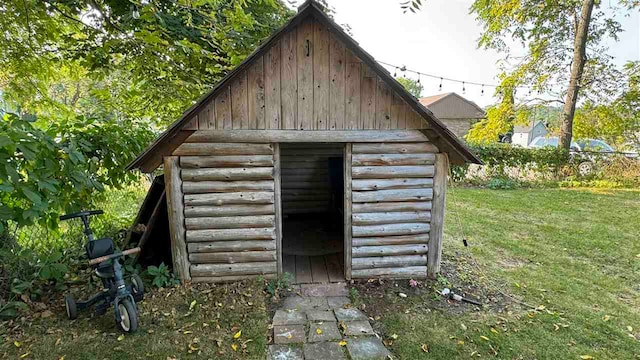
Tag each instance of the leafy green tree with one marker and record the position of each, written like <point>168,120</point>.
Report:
<point>412,86</point>
<point>564,56</point>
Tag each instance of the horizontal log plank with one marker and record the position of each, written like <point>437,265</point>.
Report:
<point>389,250</point>
<point>390,229</point>
<point>267,233</point>
<point>228,210</point>
<point>235,246</point>
<point>211,148</point>
<point>409,148</point>
<point>257,173</point>
<point>296,136</point>
<point>392,206</point>
<point>391,240</point>
<point>389,184</point>
<point>385,172</point>
<point>230,198</point>
<point>392,195</point>
<point>393,159</point>
<point>253,268</point>
<point>198,162</point>
<point>388,261</point>
<point>230,278</point>
<point>410,272</point>
<point>390,218</point>
<point>232,257</point>
<point>202,187</point>
<point>232,222</point>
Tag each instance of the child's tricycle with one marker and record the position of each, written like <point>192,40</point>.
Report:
<point>107,267</point>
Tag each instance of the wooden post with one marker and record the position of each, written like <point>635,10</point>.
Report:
<point>434,254</point>
<point>175,209</point>
<point>347,211</point>
<point>277,204</point>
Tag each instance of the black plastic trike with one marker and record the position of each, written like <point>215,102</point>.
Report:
<point>107,267</point>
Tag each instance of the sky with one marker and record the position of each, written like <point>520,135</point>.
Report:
<point>441,39</point>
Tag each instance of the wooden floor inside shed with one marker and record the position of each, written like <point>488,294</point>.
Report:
<point>314,269</point>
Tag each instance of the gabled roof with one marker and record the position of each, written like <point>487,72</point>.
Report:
<point>431,101</point>
<point>438,132</point>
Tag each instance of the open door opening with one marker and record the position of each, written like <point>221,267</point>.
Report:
<point>312,182</point>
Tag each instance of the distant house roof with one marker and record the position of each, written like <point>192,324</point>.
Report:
<point>452,106</point>
<point>526,128</point>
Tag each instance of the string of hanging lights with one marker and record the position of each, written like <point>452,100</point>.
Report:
<point>404,70</point>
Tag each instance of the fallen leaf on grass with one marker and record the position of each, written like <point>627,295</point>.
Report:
<point>494,331</point>
<point>192,305</point>
<point>319,331</point>
<point>463,327</point>
<point>121,337</point>
<point>394,336</point>
<point>586,357</point>
<point>630,328</point>
<point>234,347</point>
<point>17,343</point>
<point>606,318</point>
<point>25,355</point>
<point>238,334</point>
<point>484,338</point>
<point>460,342</point>
<point>425,348</point>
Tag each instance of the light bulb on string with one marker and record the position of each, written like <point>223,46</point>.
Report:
<point>418,78</point>
<point>440,86</point>
<point>482,90</point>
<point>463,88</point>
<point>395,72</point>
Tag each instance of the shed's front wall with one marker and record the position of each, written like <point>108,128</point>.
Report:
<point>231,208</point>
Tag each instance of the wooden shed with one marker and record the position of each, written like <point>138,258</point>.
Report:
<point>308,158</point>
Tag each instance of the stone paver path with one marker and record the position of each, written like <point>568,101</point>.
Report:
<point>321,324</point>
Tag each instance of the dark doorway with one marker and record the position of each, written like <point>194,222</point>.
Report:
<point>312,181</point>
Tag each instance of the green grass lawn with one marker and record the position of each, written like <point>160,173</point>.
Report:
<point>576,252</point>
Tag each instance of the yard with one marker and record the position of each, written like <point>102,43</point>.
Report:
<point>573,254</point>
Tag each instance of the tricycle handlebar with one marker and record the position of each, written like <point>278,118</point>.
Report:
<point>113,256</point>
<point>81,214</point>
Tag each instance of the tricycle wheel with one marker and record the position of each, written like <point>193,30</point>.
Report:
<point>70,305</point>
<point>137,287</point>
<point>128,321</point>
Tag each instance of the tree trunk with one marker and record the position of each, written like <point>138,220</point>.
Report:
<point>577,67</point>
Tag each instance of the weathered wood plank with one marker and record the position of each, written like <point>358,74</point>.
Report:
<point>320,77</point>
<point>387,229</point>
<point>230,198</point>
<point>321,136</point>
<point>289,266</point>
<point>232,257</point>
<point>223,109</point>
<point>256,95</point>
<point>175,208</point>
<point>383,106</point>
<point>393,159</point>
<point>388,184</point>
<point>408,148</point>
<point>231,246</point>
<point>352,107</point>
<point>232,222</point>
<point>389,250</point>
<point>192,124</point>
<point>337,64</point>
<point>229,210</point>
<point>437,214</point>
<point>334,269</point>
<point>304,58</point>
<point>256,173</point>
<point>239,108</point>
<point>413,272</point>
<point>210,235</point>
<point>278,205</point>
<point>319,269</point>
<point>391,218</point>
<point>289,71</point>
<point>389,262</point>
<point>392,206</point>
<point>347,209</point>
<point>303,270</point>
<point>397,113</point>
<point>368,85</point>
<point>381,172</point>
<point>197,162</point>
<point>392,195</point>
<point>253,268</point>
<point>392,240</point>
<point>208,147</point>
<point>203,187</point>
<point>273,101</point>
<point>231,278</point>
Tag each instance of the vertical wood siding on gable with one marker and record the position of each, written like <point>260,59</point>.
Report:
<point>307,80</point>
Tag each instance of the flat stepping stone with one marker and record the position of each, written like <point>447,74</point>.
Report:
<point>368,348</point>
<point>355,328</point>
<point>289,317</point>
<point>323,351</point>
<point>325,331</point>
<point>287,334</point>
<point>350,315</point>
<point>305,303</point>
<point>284,352</point>
<point>336,302</point>
<point>335,289</point>
<point>320,315</point>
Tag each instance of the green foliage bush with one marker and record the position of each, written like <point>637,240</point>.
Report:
<point>161,276</point>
